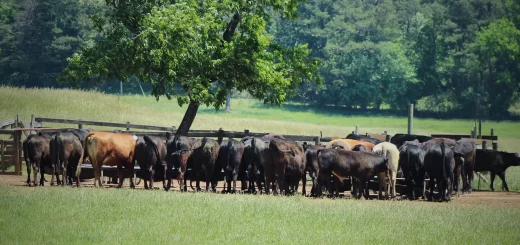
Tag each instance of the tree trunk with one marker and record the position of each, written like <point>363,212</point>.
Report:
<point>228,101</point>
<point>188,118</point>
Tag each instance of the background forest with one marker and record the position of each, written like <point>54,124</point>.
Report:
<point>452,58</point>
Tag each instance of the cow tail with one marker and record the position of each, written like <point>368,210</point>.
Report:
<point>57,149</point>
<point>203,142</point>
<point>443,150</point>
<point>26,154</point>
<point>229,146</point>
<point>84,154</point>
<point>150,141</point>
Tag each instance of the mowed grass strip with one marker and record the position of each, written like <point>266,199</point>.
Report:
<point>109,216</point>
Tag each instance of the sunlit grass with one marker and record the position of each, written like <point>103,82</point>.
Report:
<point>118,216</point>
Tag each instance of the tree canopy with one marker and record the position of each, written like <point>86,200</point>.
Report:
<point>195,51</point>
<point>456,58</point>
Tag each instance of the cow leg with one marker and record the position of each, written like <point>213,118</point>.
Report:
<point>35,173</point>
<point>361,187</point>
<point>64,172</point>
<point>167,182</point>
<point>502,176</point>
<point>152,174</point>
<point>42,175</point>
<point>28,166</point>
<point>304,183</point>
<point>492,180</point>
<point>130,169</point>
<point>120,176</point>
<point>431,183</point>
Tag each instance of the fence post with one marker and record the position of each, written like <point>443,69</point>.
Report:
<point>17,120</point>
<point>32,121</point>
<point>492,132</point>
<point>317,140</point>
<point>220,136</point>
<point>16,157</point>
<point>127,126</point>
<point>80,126</point>
<point>357,130</point>
<point>387,138</point>
<point>484,144</point>
<point>495,146</point>
<point>321,134</point>
<point>473,134</point>
<point>246,132</point>
<point>410,118</point>
<point>480,129</point>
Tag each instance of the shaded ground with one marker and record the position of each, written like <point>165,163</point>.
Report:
<point>477,198</point>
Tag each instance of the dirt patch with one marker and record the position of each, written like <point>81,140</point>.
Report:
<point>477,198</point>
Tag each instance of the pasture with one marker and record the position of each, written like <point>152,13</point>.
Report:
<point>109,216</point>
<point>115,216</point>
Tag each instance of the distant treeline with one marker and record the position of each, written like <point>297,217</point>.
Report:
<point>452,58</point>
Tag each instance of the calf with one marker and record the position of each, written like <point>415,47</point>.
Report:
<point>150,153</point>
<point>496,162</point>
<point>439,164</point>
<point>390,152</point>
<point>288,165</point>
<point>111,149</point>
<point>467,148</point>
<point>229,159</point>
<point>343,163</point>
<point>411,161</point>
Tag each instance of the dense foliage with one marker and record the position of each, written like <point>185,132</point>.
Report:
<point>447,56</point>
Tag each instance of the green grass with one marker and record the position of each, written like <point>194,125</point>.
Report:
<point>122,216</point>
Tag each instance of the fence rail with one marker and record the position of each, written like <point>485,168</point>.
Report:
<point>80,124</point>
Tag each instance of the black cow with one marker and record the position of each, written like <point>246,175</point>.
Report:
<point>66,150</point>
<point>343,163</point>
<point>150,153</point>
<point>496,162</point>
<point>256,155</point>
<point>37,156</point>
<point>411,161</point>
<point>179,149</point>
<point>311,164</point>
<point>399,139</point>
<point>363,138</point>
<point>457,157</point>
<point>467,148</point>
<point>439,164</point>
<point>229,158</point>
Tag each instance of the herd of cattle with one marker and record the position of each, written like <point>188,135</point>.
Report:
<point>269,163</point>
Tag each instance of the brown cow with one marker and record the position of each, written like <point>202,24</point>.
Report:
<point>111,149</point>
<point>288,163</point>
<point>342,143</point>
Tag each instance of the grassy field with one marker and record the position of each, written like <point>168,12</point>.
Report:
<point>122,216</point>
<point>246,114</point>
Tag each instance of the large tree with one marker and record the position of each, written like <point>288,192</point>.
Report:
<point>195,51</point>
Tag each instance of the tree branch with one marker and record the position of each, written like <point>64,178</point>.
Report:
<point>231,27</point>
